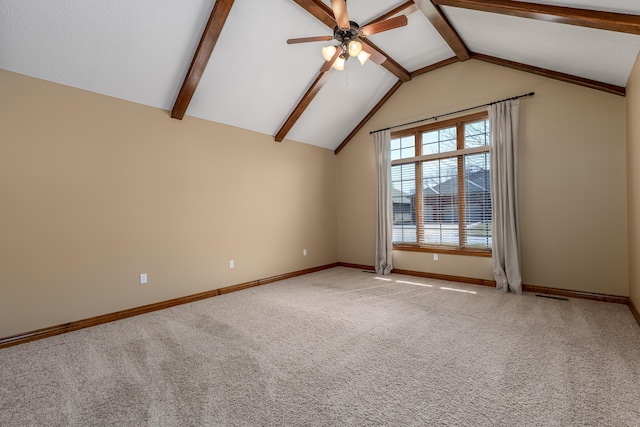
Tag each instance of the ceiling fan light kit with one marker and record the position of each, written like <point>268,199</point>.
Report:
<point>349,35</point>
<point>350,45</point>
<point>355,47</point>
<point>339,63</point>
<point>328,52</point>
<point>363,57</point>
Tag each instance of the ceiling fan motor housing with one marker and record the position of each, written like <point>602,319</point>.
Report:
<point>346,35</point>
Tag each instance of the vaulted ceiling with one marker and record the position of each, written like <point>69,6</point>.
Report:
<point>245,74</point>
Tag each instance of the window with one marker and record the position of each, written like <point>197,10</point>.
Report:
<point>441,186</point>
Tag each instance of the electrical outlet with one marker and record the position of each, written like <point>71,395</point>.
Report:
<point>231,264</point>
<point>304,252</point>
<point>435,257</point>
<point>143,278</point>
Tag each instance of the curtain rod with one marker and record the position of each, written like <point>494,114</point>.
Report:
<point>455,112</point>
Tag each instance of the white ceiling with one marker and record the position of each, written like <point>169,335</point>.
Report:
<point>140,50</point>
<point>604,56</point>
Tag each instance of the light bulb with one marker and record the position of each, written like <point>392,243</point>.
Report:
<point>328,52</point>
<point>363,57</point>
<point>339,64</point>
<point>355,47</point>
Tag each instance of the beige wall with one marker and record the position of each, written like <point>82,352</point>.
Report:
<point>572,184</point>
<point>95,190</point>
<point>633,182</point>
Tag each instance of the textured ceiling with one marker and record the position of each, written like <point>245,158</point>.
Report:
<point>140,51</point>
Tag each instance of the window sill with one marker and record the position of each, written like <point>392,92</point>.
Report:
<point>444,250</point>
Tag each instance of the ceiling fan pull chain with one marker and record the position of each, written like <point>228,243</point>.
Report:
<point>346,74</point>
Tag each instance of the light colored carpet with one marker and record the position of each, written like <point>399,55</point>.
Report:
<point>338,347</point>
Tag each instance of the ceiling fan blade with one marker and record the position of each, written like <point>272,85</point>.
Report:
<point>389,24</point>
<point>376,56</point>
<point>340,12</point>
<point>310,39</point>
<point>406,9</point>
<point>327,64</point>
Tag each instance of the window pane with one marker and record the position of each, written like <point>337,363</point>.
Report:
<point>447,134</point>
<point>440,202</point>
<point>476,134</point>
<point>439,141</point>
<point>403,190</point>
<point>449,145</point>
<point>402,148</point>
<point>430,137</point>
<point>408,152</point>
<point>430,149</point>
<point>477,195</point>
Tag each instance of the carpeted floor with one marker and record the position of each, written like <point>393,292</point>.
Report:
<point>334,348</point>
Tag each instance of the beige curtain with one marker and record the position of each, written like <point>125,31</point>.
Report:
<point>384,230</point>
<point>503,117</point>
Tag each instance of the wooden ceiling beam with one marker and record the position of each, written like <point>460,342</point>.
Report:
<point>390,64</point>
<point>368,116</point>
<point>321,11</point>
<point>303,104</point>
<point>208,41</point>
<point>435,66</point>
<point>611,21</point>
<point>568,78</point>
<point>440,22</point>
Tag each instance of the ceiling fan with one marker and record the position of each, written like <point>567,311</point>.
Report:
<point>349,35</point>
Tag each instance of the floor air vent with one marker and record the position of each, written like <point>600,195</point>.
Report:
<point>552,297</point>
